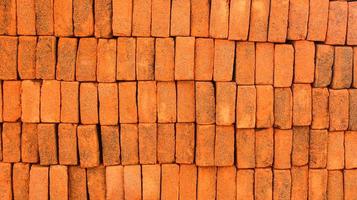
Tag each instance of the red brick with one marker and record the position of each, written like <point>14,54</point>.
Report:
<point>318,16</point>
<point>26,17</point>
<point>166,143</point>
<point>318,148</point>
<point>5,181</point>
<point>160,13</point>
<point>259,16</point>
<point>205,138</point>
<point>77,182</point>
<point>219,19</point>
<point>225,103</point>
<point>184,58</point>
<point>114,182</point>
<point>110,145</point>
<point>299,182</point>
<point>245,149</point>
<point>103,18</point>
<point>278,20</point>
<point>354,83</point>
<point>146,99</point>
<point>132,182</point>
<point>335,150</point>
<point>166,101</point>
<point>283,112</point>
<point>335,185</point>
<point>282,184</point>
<point>239,17</point>
<point>245,63</point>
<point>350,149</point>
<point>47,144</point>
<point>145,50</point>
<point>88,98</point>
<point>122,17</point>
<point>66,59</point>
<point>58,182</point>
<point>206,183</point>
<point>224,146</point>
<point>320,115</point>
<point>338,109</point>
<point>352,24</point>
<point>353,109</point>
<point>96,182</point>
<point>29,144</point>
<point>298,19</point>
<point>265,106</point>
<point>141,17</point>
<point>67,144</point>
<point>223,60</point>
<point>246,107</point>
<point>169,181</point>
<point>8,53</point>
<point>86,59</point>
<point>283,140</point>
<point>337,23</point>
<point>126,48</point>
<point>44,17</point>
<point>108,103</point>
<point>302,104</point>
<point>300,153</point>
<point>88,146</point>
<point>317,183</point>
<point>164,59</point>
<point>26,57</point>
<point>106,56</point>
<point>323,67</point>
<point>264,147</point>
<point>185,143</point>
<point>50,101</point>
<point>83,19</point>
<point>180,17</point>
<point>245,184</point>
<point>186,101</point>
<point>11,142</point>
<point>39,182</point>
<point>264,63</point>
<point>188,179</point>
<point>263,184</point>
<point>69,102</point>
<point>8,18</point>
<point>226,183</point>
<point>350,186</point>
<point>30,101</point>
<point>62,14</point>
<point>204,59</point>
<point>20,180</point>
<point>205,103</point>
<point>147,143</point>
<point>342,68</point>
<point>129,143</point>
<point>199,18</point>
<point>304,62</point>
<point>283,65</point>
<point>46,57</point>
<point>127,102</point>
<point>151,181</point>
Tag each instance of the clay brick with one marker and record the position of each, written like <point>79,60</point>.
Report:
<point>26,57</point>
<point>200,18</point>
<point>302,105</point>
<point>184,58</point>
<point>317,183</point>
<point>318,16</point>
<point>352,24</point>
<point>122,17</point>
<point>26,17</point>
<point>283,112</point>
<point>103,18</point>
<point>106,56</point>
<point>263,184</point>
<point>245,63</point>
<point>264,63</point>
<point>350,149</point>
<point>304,62</point>
<point>265,106</point>
<point>337,23</point>
<point>11,142</point>
<point>108,103</point>
<point>164,59</point>
<point>264,147</point>
<point>30,101</point>
<point>29,144</point>
<point>188,180</point>
<point>129,143</point>
<point>219,19</point>
<point>206,183</point>
<point>283,65</point>
<point>127,102</point>
<point>66,59</point>
<point>114,182</point>
<point>223,60</point>
<point>46,57</point>
<point>224,146</point>
<point>298,19</point>
<point>283,140</point>
<point>8,18</point>
<point>86,59</point>
<point>282,184</point>
<point>323,65</point>
<point>126,48</point>
<point>88,146</point>
<point>44,17</point>
<point>342,68</point>
<point>39,182</point>
<point>245,149</point>
<point>160,13</point>
<point>132,182</point>
<point>96,182</point>
<point>50,101</point>
<point>205,138</point>
<point>300,152</point>
<point>353,109</point>
<point>88,98</point>
<point>318,148</point>
<point>5,181</point>
<point>166,143</point>
<point>299,182</point>
<point>8,53</point>
<point>259,16</point>
<point>225,103</point>
<point>169,181</point>
<point>239,17</point>
<point>145,50</point>
<point>205,103</point>
<point>20,180</point>
<point>350,185</point>
<point>166,102</point>
<point>83,19</point>
<point>110,145</point>
<point>151,175</point>
<point>141,17</point>
<point>146,99</point>
<point>278,20</point>
<point>185,143</point>
<point>69,102</point>
<point>67,144</point>
<point>246,107</point>
<point>58,182</point>
<point>320,112</point>
<point>147,143</point>
<point>47,144</point>
<point>354,83</point>
<point>204,59</point>
<point>335,150</point>
<point>226,183</point>
<point>77,182</point>
<point>186,101</point>
<point>335,185</point>
<point>338,109</point>
<point>180,18</point>
<point>62,15</point>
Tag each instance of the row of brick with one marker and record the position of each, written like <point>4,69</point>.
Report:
<point>254,20</point>
<point>171,181</point>
<point>180,58</point>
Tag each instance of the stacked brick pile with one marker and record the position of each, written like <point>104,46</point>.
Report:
<point>188,99</point>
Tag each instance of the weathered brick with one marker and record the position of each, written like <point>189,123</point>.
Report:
<point>58,182</point>
<point>26,57</point>
<point>317,183</point>
<point>11,142</point>
<point>8,53</point>
<point>77,182</point>
<point>44,17</point>
<point>264,147</point>
<point>147,143</point>
<point>88,146</point>
<point>47,144</point>
<point>67,144</point>
<point>122,17</point>
<point>147,108</point>
<point>20,180</point>
<point>132,182</point>
<point>335,185</point>
<point>151,175</point>
<point>166,143</point>
<point>188,181</point>
<point>50,101</point>
<point>29,144</point>
<point>225,103</point>
<point>164,59</point>
<point>299,182</point>
<point>283,140</point>
<point>265,106</point>
<point>206,183</point>
<point>39,182</point>
<point>108,103</point>
<point>160,13</point>
<point>30,101</point>
<point>166,102</point>
<point>83,19</point>
<point>352,24</point>
<point>282,184</point>
<point>245,63</point>
<point>129,143</point>
<point>141,17</point>
<point>245,149</point>
<point>304,67</point>
<point>46,57</point>
<point>283,65</point>
<point>338,109</point>
<point>264,63</point>
<point>103,11</point>
<point>26,17</point>
<point>263,184</point>
<point>145,50</point>
<point>114,182</point>
<point>353,109</point>
<point>69,102</point>
<point>318,148</point>
<point>224,146</point>
<point>302,105</point>
<point>127,102</point>
<point>186,101</point>
<point>283,112</point>
<point>204,59</point>
<point>226,183</point>
<point>110,145</point>
<point>205,103</point>
<point>320,112</point>
<point>205,137</point>
<point>223,60</point>
<point>318,16</point>
<point>335,150</point>
<point>323,65</point>
<point>170,181</point>
<point>62,17</point>
<point>126,48</point>
<point>88,98</point>
<point>200,14</point>
<point>219,19</point>
<point>300,153</point>
<point>278,20</point>
<point>106,64</point>
<point>239,18</point>
<point>259,16</point>
<point>298,19</point>
<point>337,23</point>
<point>86,61</point>
<point>185,143</point>
<point>66,58</point>
<point>246,107</point>
<point>184,58</point>
<point>96,182</point>
<point>342,68</point>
